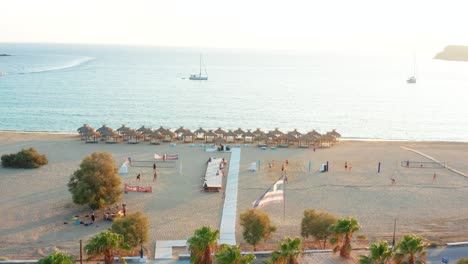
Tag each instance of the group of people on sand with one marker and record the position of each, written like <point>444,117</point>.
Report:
<point>110,214</point>
<point>155,174</point>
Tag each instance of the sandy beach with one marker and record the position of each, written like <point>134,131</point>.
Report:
<point>36,203</point>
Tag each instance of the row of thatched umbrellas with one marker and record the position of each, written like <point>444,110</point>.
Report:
<point>209,136</point>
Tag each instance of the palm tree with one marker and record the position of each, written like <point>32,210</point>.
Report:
<point>201,245</point>
<point>57,258</point>
<point>379,253</point>
<point>105,244</point>
<point>232,255</point>
<point>411,247</point>
<point>343,231</point>
<point>288,253</point>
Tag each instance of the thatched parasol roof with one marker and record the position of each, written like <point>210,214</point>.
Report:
<point>258,132</point>
<point>287,137</point>
<point>277,132</point>
<point>335,134</point>
<point>108,132</point>
<point>104,128</point>
<point>249,134</point>
<point>187,134</point>
<point>314,134</point>
<point>262,137</point>
<point>230,134</point>
<point>239,131</point>
<point>154,134</point>
<point>219,131</point>
<point>200,131</point>
<point>271,135</point>
<point>85,128</point>
<point>161,130</point>
<point>181,130</point>
<point>305,137</point>
<point>295,133</point>
<point>133,133</point>
<point>123,129</point>
<point>210,134</point>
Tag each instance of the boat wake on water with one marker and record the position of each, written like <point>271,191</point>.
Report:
<point>67,65</point>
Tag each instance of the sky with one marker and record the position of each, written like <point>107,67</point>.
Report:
<point>253,24</point>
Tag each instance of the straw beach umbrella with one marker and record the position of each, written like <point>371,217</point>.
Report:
<point>295,133</point>
<point>110,136</point>
<point>249,137</point>
<point>219,132</point>
<point>286,140</point>
<point>168,136</point>
<point>199,133</point>
<point>82,131</point>
<point>134,137</point>
<point>155,137</point>
<point>230,137</point>
<point>180,131</point>
<point>304,141</point>
<point>258,132</point>
<point>187,137</point>
<point>210,136</point>
<point>262,140</point>
<point>277,132</point>
<point>239,134</point>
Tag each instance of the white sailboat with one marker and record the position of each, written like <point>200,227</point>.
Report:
<point>412,79</point>
<point>199,77</point>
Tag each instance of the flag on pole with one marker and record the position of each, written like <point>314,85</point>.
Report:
<point>274,195</point>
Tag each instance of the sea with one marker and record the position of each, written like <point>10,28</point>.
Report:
<point>363,95</point>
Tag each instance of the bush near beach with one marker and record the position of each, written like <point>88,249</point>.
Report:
<point>96,183</point>
<point>25,159</point>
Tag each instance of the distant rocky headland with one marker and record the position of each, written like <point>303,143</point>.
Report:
<point>4,55</point>
<point>453,53</point>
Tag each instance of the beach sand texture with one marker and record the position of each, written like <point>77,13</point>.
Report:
<point>36,203</point>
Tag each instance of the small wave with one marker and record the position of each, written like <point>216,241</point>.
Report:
<point>68,65</point>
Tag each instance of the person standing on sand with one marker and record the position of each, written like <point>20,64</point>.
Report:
<point>346,165</point>
<point>138,177</point>
<point>155,176</point>
<point>433,177</point>
<point>93,217</point>
<point>154,166</point>
<point>124,209</point>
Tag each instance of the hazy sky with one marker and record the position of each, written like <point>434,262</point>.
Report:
<point>310,25</point>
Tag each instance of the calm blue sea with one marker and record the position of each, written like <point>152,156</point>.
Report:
<point>57,88</point>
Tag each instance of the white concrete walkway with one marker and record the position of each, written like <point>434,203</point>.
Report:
<point>228,219</point>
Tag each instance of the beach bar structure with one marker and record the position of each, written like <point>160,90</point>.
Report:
<point>213,181</point>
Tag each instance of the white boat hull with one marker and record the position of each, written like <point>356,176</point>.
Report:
<point>198,78</point>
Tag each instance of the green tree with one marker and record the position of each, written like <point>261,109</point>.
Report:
<point>232,255</point>
<point>58,258</point>
<point>288,253</point>
<point>256,226</point>
<point>105,244</point>
<point>379,253</point>
<point>96,182</point>
<point>410,250</point>
<point>343,231</point>
<point>134,228</point>
<point>462,261</point>
<point>25,159</point>
<point>202,244</point>
<point>317,224</point>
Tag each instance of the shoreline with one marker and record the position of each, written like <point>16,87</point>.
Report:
<point>363,139</point>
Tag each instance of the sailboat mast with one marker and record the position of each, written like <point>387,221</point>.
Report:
<point>200,66</point>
